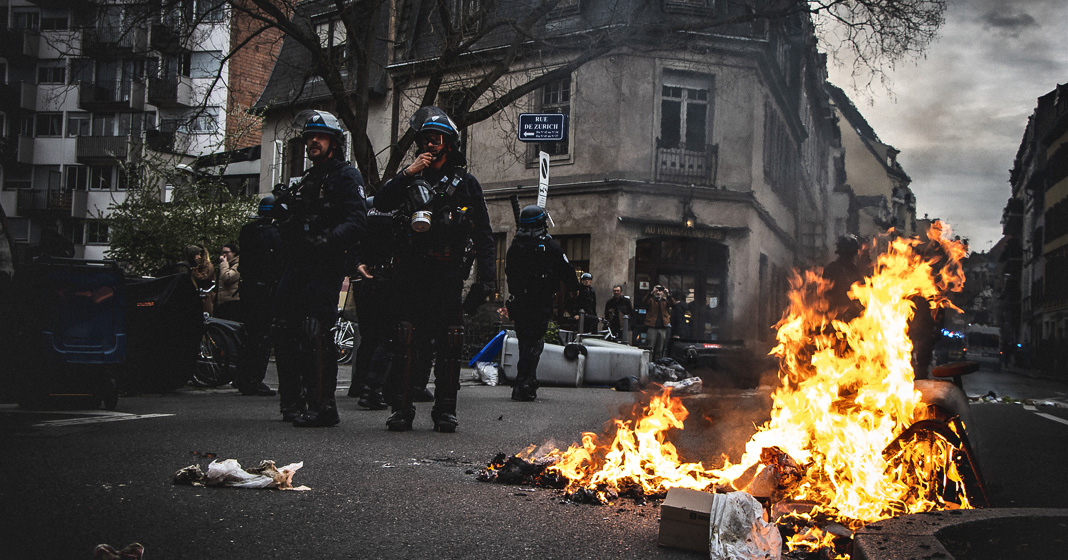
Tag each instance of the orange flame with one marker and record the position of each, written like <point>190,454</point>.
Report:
<point>846,391</point>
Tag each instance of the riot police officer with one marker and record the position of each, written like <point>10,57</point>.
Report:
<point>323,218</point>
<point>442,215</point>
<point>535,266</point>
<point>261,268</point>
<point>375,309</point>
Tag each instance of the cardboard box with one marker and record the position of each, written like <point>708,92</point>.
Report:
<point>684,520</point>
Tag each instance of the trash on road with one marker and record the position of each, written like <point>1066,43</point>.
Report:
<point>132,551</point>
<point>487,373</point>
<point>738,530</point>
<point>229,473</point>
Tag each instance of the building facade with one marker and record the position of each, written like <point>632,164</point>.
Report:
<point>708,161</point>
<point>92,87</point>
<point>1035,228</point>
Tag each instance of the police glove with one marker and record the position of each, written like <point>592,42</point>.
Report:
<point>477,295</point>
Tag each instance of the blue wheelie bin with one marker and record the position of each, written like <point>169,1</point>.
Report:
<point>73,329</point>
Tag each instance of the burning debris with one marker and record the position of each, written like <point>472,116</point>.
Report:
<point>838,451</point>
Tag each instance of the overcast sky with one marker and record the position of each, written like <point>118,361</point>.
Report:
<point>959,114</point>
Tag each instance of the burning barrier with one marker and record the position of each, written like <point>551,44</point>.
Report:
<point>838,439</point>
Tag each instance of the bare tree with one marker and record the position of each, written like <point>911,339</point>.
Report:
<point>485,43</point>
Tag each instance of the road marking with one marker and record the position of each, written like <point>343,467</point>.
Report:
<point>1030,408</point>
<point>1052,417</point>
<point>97,419</point>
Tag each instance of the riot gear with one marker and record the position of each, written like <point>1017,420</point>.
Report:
<point>266,207</point>
<point>322,218</point>
<point>442,226</point>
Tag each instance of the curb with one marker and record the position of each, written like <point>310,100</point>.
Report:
<point>1029,532</point>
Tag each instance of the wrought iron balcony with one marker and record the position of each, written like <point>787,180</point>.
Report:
<point>687,165</point>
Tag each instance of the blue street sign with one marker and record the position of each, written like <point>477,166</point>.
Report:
<point>542,127</point>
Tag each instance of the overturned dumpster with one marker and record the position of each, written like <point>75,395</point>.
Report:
<point>590,362</point>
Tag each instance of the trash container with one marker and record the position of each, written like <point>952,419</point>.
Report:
<point>72,319</point>
<point>165,321</point>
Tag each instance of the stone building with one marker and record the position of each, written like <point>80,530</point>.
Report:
<point>709,161</point>
<point>1035,228</point>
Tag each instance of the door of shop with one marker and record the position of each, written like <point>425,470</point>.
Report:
<point>695,271</point>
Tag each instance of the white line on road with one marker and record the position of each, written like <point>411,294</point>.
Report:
<point>1052,417</point>
<point>114,417</point>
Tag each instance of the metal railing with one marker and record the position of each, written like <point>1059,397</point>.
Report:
<point>686,165</point>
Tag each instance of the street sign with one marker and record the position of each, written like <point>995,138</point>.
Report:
<point>543,178</point>
<point>542,127</point>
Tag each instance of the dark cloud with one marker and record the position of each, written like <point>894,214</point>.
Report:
<point>1009,23</point>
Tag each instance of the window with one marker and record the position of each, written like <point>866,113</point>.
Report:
<point>96,232</point>
<point>78,124</point>
<point>52,73</point>
<point>781,158</point>
<point>332,37</point>
<point>49,124</point>
<point>684,109</point>
<point>19,228</point>
<point>103,125</point>
<point>205,121</point>
<point>500,241</point>
<point>205,64</point>
<point>101,178</point>
<point>467,14</point>
<point>577,249</point>
<point>77,177</point>
<point>54,23</point>
<point>25,20</point>
<point>555,97</point>
<point>209,11</point>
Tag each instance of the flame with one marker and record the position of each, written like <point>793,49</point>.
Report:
<point>846,392</point>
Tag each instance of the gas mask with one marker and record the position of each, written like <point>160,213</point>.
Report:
<point>428,207</point>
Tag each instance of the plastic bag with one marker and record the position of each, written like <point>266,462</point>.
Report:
<point>737,530</point>
<point>487,373</point>
<point>230,474</point>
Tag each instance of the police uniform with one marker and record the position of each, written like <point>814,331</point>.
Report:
<point>430,268</point>
<point>261,268</point>
<point>376,310</point>
<point>535,266</point>
<point>325,218</point>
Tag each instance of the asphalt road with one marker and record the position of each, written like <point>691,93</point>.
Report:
<point>75,479</point>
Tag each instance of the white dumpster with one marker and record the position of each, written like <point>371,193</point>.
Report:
<point>607,363</point>
<point>553,369</point>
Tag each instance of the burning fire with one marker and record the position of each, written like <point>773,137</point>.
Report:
<point>846,393</point>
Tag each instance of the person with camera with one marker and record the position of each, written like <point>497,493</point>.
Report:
<point>535,267</point>
<point>323,217</point>
<point>444,226</point>
<point>658,304</point>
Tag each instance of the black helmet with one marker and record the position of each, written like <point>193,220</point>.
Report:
<point>847,245</point>
<point>532,217</point>
<point>266,205</point>
<point>433,119</point>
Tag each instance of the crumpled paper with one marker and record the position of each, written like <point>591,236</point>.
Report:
<point>737,530</point>
<point>229,473</point>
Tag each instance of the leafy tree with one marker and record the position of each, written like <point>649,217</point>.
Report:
<point>147,233</point>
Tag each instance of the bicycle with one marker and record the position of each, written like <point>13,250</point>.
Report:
<point>344,336</point>
<point>220,346</point>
